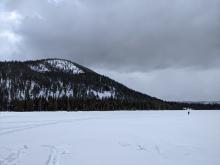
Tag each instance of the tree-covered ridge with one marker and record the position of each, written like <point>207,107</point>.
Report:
<point>56,84</point>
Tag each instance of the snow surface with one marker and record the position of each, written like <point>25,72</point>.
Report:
<point>110,138</point>
<point>102,94</point>
<point>63,65</point>
<point>39,68</point>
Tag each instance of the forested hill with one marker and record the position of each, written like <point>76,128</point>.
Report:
<point>57,84</point>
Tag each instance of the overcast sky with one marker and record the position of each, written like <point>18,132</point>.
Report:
<point>165,48</point>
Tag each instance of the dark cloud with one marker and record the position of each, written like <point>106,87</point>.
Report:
<point>122,35</point>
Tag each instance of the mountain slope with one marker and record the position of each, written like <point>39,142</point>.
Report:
<point>62,84</point>
<point>57,84</point>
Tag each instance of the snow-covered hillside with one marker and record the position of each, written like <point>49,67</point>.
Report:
<point>51,64</point>
<point>35,90</point>
<point>110,138</point>
<point>63,80</point>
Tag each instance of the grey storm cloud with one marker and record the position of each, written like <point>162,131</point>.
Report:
<point>122,34</point>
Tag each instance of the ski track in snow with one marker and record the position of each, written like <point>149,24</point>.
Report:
<point>8,130</point>
<point>53,158</point>
<point>14,156</point>
<point>157,148</point>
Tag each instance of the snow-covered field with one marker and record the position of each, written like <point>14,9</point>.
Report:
<point>110,138</point>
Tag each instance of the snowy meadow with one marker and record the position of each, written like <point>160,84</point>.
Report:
<point>110,138</point>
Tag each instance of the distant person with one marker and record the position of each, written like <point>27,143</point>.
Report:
<point>188,112</point>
